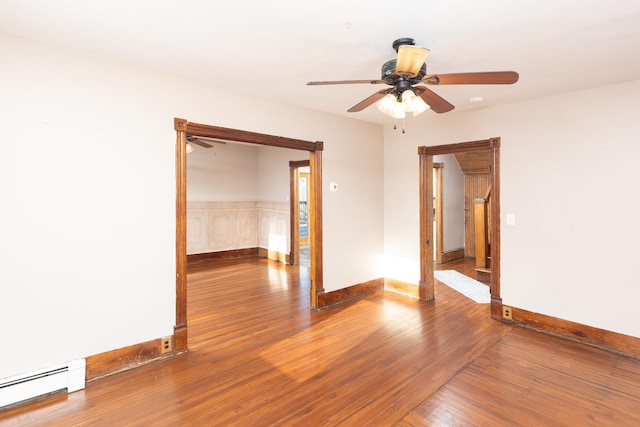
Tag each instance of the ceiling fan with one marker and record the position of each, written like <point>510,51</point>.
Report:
<point>201,141</point>
<point>407,74</point>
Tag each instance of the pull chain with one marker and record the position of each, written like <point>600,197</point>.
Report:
<point>395,126</point>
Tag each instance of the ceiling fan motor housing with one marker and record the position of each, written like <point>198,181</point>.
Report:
<point>390,76</point>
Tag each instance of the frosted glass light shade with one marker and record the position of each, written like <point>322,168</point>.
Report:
<point>410,103</point>
<point>387,104</point>
<point>413,103</point>
<point>398,111</point>
<point>408,99</point>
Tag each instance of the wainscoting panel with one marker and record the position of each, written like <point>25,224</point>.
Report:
<point>274,227</point>
<point>229,226</point>
<point>246,229</point>
<point>221,226</point>
<point>196,231</point>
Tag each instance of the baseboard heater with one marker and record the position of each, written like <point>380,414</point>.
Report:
<point>70,376</point>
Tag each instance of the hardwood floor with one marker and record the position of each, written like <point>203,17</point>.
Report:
<point>259,356</point>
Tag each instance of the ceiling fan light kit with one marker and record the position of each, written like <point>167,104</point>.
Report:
<point>396,105</point>
<point>407,74</point>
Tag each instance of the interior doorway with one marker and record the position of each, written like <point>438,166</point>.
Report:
<point>185,128</point>
<point>300,206</point>
<point>303,206</point>
<point>426,202</point>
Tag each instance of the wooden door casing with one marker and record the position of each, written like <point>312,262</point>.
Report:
<point>184,128</point>
<point>426,285</point>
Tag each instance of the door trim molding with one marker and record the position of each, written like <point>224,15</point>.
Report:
<point>426,154</point>
<point>185,128</point>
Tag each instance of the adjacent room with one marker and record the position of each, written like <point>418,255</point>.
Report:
<point>319,213</point>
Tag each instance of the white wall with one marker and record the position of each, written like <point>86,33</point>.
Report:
<point>567,173</point>
<point>87,180</point>
<point>240,172</point>
<point>222,173</point>
<point>273,192</point>
<point>273,172</point>
<point>453,202</point>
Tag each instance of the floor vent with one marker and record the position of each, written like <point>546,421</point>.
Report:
<point>70,376</point>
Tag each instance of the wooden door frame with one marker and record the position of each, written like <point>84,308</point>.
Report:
<point>439,238</point>
<point>184,128</point>
<point>426,285</point>
<point>294,166</point>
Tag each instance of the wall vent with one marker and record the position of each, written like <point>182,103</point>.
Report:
<point>70,376</point>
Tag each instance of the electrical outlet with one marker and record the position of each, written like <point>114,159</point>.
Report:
<point>507,312</point>
<point>166,345</point>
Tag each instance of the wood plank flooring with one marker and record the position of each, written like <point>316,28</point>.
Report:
<point>259,357</point>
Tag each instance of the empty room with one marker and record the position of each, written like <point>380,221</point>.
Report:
<point>319,213</point>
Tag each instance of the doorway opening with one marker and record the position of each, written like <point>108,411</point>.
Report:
<point>185,128</point>
<point>299,181</point>
<point>426,285</point>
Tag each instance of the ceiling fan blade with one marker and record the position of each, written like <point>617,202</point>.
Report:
<point>206,138</point>
<point>410,60</point>
<point>370,100</point>
<point>482,78</point>
<point>200,143</point>
<point>346,82</point>
<point>437,103</point>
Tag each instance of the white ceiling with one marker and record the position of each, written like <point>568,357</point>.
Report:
<point>271,49</point>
